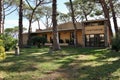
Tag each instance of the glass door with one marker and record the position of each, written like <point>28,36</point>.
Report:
<point>96,40</point>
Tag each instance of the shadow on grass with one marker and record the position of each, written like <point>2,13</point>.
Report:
<point>75,70</point>
<point>27,60</point>
<point>72,67</point>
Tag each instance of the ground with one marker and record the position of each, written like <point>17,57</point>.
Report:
<point>67,64</point>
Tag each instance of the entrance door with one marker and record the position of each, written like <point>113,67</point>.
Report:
<point>96,40</point>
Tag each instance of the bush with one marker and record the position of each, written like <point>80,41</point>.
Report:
<point>43,40</point>
<point>2,50</point>
<point>8,41</point>
<point>38,40</point>
<point>1,43</point>
<point>116,44</point>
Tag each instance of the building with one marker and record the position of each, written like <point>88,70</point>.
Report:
<point>93,33</point>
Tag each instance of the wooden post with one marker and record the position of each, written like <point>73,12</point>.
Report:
<point>106,33</point>
<point>17,50</point>
<point>50,50</point>
<point>83,34</point>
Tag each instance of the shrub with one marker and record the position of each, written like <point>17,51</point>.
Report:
<point>8,41</point>
<point>38,40</point>
<point>116,44</point>
<point>43,40</point>
<point>1,43</point>
<point>2,50</point>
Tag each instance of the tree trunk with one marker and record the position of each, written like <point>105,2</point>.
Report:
<point>30,27</point>
<point>114,17</point>
<point>3,19</point>
<point>56,45</point>
<point>31,18</point>
<point>21,23</point>
<point>29,32</point>
<point>106,12</point>
<point>73,20</point>
<point>1,10</point>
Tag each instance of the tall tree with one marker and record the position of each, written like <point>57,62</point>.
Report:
<point>47,10</point>
<point>13,31</point>
<point>9,6</point>
<point>1,10</point>
<point>82,8</point>
<point>74,24</point>
<point>106,12</point>
<point>63,18</point>
<point>33,8</point>
<point>21,23</point>
<point>114,16</point>
<point>56,45</point>
<point>85,7</point>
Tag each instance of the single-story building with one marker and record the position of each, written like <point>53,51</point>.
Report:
<point>93,33</point>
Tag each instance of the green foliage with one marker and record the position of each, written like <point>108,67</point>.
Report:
<point>8,41</point>
<point>38,40</point>
<point>1,43</point>
<point>13,31</point>
<point>116,43</point>
<point>2,50</point>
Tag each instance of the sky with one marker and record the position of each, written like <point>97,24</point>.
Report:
<point>12,19</point>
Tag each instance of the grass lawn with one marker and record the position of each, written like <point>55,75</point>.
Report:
<point>66,64</point>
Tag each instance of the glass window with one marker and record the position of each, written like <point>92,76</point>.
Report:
<point>96,40</point>
<point>72,35</point>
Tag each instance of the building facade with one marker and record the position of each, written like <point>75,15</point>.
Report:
<point>94,33</point>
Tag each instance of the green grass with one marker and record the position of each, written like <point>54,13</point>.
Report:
<point>67,64</point>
